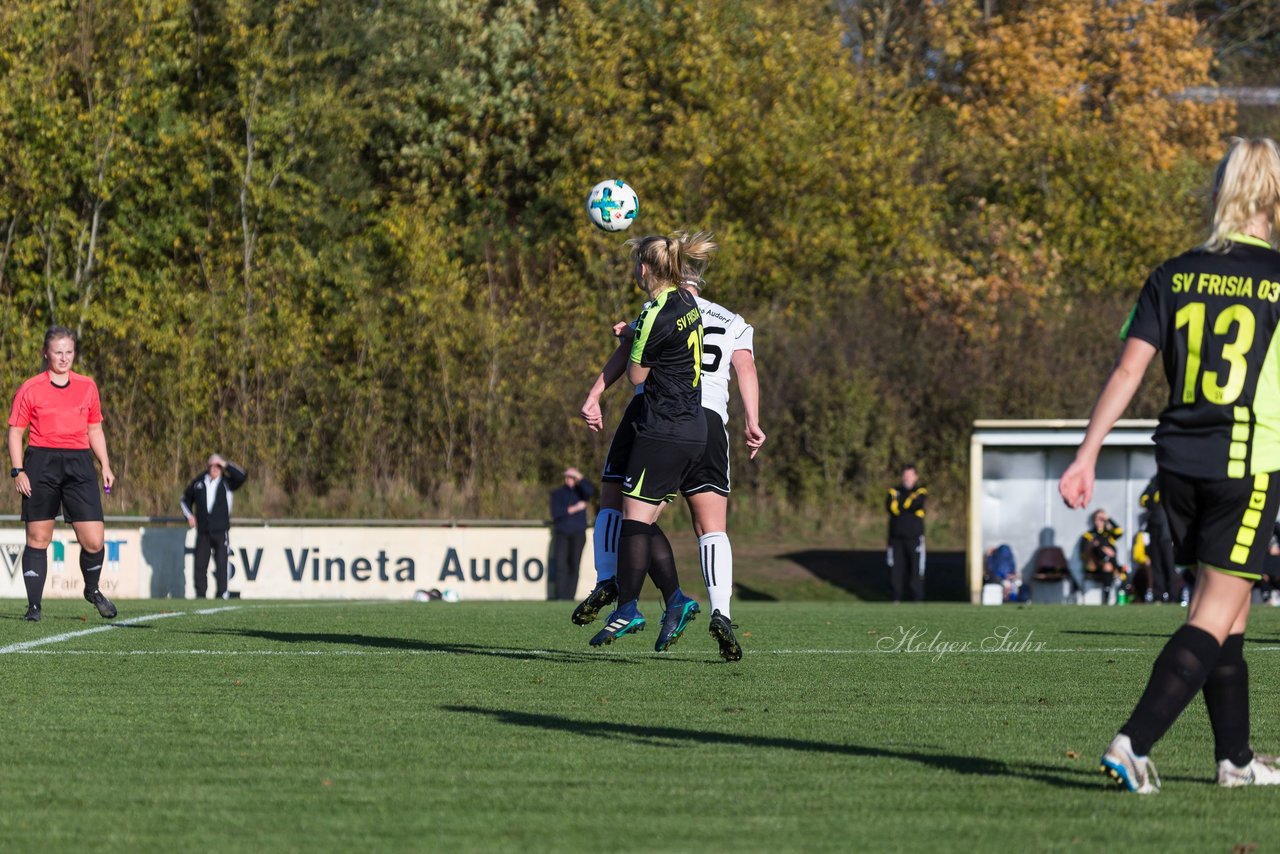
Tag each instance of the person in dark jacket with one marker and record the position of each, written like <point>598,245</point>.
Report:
<point>206,503</point>
<point>905,553</point>
<point>1165,583</point>
<point>569,531</point>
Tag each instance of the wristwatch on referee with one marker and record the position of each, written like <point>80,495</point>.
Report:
<point>14,472</point>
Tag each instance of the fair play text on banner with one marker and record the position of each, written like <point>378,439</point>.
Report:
<point>121,577</point>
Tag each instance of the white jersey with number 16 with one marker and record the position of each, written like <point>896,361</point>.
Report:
<point>723,333</point>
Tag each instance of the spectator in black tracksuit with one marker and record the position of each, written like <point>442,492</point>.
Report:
<point>207,505</point>
<point>1165,585</point>
<point>569,531</point>
<point>905,556</point>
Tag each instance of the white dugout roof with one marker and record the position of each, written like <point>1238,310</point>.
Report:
<point>1014,467</point>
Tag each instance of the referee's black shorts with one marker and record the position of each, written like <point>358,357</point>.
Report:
<point>62,481</point>
<point>1223,524</point>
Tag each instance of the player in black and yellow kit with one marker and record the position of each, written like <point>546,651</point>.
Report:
<point>905,552</point>
<point>1165,585</point>
<point>670,432</point>
<point>1099,549</point>
<point>1212,313</point>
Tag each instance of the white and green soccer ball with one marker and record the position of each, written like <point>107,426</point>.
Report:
<point>613,205</point>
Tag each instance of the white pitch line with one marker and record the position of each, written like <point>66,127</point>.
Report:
<point>68,635</point>
<point>529,653</point>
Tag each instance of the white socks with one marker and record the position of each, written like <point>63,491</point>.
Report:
<point>717,569</point>
<point>604,542</point>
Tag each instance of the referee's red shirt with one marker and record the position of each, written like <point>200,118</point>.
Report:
<point>59,417</point>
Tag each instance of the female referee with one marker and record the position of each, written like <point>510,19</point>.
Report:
<point>670,431</point>
<point>1213,313</point>
<point>56,475</point>
<point>727,342</point>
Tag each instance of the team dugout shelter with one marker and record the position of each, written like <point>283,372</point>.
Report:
<point>1014,467</point>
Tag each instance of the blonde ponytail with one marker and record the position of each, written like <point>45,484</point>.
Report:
<point>1246,182</point>
<point>671,261</point>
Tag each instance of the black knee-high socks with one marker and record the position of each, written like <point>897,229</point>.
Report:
<point>662,564</point>
<point>35,567</point>
<point>634,549</point>
<point>644,549</point>
<point>91,568</point>
<point>1226,696</point>
<point>1178,675</point>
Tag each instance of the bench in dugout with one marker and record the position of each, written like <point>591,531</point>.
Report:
<point>1051,579</point>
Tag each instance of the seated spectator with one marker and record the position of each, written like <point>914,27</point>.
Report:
<point>1002,569</point>
<point>1099,554</point>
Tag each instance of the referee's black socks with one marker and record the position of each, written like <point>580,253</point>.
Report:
<point>35,566</point>
<point>634,549</point>
<point>1226,696</point>
<point>1178,675</point>
<point>91,569</point>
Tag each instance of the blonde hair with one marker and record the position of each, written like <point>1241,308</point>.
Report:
<point>1246,182</point>
<point>677,260</point>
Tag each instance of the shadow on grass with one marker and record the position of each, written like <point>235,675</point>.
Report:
<point>662,736</point>
<point>1107,633</point>
<point>1156,635</point>
<point>412,645</point>
<point>87,622</point>
<point>863,573</point>
<point>748,594</point>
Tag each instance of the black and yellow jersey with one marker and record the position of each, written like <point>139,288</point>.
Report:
<point>668,341</point>
<point>1213,316</point>
<point>1092,542</point>
<point>1150,501</point>
<point>906,511</point>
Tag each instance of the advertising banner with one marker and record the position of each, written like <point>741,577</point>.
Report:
<point>386,563</point>
<point>121,576</point>
<point>305,562</point>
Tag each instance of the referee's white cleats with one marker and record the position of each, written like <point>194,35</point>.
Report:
<point>1261,771</point>
<point>1135,773</point>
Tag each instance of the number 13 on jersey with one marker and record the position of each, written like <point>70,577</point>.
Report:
<point>1234,352</point>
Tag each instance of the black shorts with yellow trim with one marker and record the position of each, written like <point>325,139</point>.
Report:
<point>1222,524</point>
<point>711,472</point>
<point>615,462</point>
<point>657,467</point>
<point>62,481</point>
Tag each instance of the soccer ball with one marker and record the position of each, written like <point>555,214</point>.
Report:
<point>613,205</point>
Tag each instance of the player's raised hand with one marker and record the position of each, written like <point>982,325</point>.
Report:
<point>591,414</point>
<point>1076,485</point>
<point>755,438</point>
<point>624,330</point>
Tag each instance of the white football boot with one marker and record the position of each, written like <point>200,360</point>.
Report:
<point>1135,773</point>
<point>1261,771</point>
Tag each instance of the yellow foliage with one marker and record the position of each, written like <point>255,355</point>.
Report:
<point>1068,65</point>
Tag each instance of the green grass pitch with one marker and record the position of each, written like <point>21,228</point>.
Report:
<point>493,726</point>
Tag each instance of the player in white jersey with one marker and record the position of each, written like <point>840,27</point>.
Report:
<point>727,344</point>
